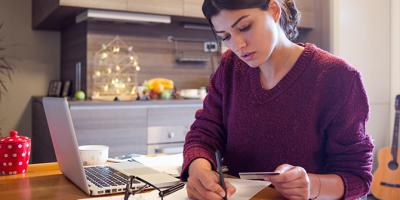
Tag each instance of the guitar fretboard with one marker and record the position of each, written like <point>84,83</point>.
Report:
<point>395,138</point>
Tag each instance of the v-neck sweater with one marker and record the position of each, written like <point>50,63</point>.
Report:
<point>314,117</point>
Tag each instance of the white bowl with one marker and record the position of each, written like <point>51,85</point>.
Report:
<point>190,93</point>
<point>93,154</point>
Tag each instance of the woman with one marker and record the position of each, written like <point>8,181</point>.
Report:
<point>274,105</point>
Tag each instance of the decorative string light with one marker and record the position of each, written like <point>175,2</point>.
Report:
<point>115,70</point>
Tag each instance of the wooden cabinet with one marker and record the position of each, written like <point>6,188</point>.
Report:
<point>170,7</point>
<point>97,4</point>
<point>126,127</point>
<point>163,7</point>
<point>54,14</point>
<point>192,8</point>
<point>58,14</point>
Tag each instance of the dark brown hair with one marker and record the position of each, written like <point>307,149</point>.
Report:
<point>290,16</point>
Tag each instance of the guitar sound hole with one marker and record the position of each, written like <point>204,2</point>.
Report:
<point>393,165</point>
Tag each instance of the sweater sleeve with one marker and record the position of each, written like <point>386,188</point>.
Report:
<point>348,147</point>
<point>207,132</point>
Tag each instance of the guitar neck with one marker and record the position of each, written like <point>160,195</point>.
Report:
<point>395,138</point>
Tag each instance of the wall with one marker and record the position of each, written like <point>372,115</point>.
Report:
<point>35,55</point>
<point>361,31</point>
<point>395,52</point>
<point>320,34</point>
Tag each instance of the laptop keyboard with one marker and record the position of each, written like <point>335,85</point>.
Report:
<point>104,176</point>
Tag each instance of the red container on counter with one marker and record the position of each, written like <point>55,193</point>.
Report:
<point>14,154</point>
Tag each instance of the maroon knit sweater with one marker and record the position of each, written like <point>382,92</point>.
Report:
<point>314,118</point>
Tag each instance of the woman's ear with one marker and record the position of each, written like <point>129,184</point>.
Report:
<point>274,8</point>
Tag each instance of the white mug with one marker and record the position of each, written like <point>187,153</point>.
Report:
<point>93,154</point>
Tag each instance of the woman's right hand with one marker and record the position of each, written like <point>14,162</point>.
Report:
<point>203,182</point>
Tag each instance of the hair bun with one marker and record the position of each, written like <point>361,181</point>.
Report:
<point>290,19</point>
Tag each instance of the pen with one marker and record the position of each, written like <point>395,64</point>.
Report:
<point>219,168</point>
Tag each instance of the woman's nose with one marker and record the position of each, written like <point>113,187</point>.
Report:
<point>238,43</point>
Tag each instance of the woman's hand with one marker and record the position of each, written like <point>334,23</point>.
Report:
<point>292,182</point>
<point>203,182</point>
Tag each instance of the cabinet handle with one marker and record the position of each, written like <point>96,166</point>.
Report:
<point>158,150</point>
<point>171,135</point>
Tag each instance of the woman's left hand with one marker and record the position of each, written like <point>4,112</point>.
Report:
<point>293,182</point>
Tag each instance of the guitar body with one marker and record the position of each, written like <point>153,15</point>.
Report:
<point>386,181</point>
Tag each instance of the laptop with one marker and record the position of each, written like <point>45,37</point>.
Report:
<point>93,180</point>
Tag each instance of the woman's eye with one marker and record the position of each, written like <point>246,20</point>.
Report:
<point>226,37</point>
<point>246,28</point>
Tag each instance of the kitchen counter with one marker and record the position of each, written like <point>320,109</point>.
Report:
<point>141,127</point>
<point>151,103</point>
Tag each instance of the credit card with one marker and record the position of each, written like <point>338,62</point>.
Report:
<point>256,175</point>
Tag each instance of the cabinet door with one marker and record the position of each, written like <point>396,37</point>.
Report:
<point>192,8</point>
<point>122,128</point>
<point>166,134</point>
<point>97,4</point>
<point>172,116</point>
<point>168,126</point>
<point>170,7</point>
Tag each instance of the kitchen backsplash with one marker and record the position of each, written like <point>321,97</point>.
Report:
<point>170,51</point>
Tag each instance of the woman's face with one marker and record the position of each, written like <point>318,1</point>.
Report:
<point>250,33</point>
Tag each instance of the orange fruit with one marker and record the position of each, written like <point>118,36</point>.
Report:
<point>158,88</point>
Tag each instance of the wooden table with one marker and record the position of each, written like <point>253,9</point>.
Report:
<point>45,181</point>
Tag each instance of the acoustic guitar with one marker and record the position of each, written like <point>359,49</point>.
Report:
<point>386,181</point>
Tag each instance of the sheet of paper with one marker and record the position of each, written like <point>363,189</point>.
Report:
<point>170,164</point>
<point>245,189</point>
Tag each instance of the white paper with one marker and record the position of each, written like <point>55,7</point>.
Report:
<point>245,189</point>
<point>170,164</point>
